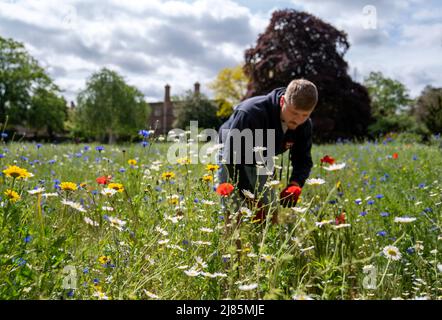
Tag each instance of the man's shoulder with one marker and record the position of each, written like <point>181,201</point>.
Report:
<point>262,103</point>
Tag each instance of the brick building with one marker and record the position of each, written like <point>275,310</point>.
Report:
<point>163,112</point>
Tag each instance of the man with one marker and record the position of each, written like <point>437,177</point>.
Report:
<point>286,113</point>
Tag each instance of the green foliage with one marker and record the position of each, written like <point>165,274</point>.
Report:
<point>428,108</point>
<point>390,105</point>
<point>196,107</point>
<point>48,111</point>
<point>20,77</point>
<point>108,107</point>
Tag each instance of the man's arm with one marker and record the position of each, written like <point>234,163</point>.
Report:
<point>301,157</point>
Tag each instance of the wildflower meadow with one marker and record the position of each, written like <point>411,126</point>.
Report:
<point>121,222</point>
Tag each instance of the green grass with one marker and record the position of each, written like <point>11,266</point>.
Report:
<point>47,247</point>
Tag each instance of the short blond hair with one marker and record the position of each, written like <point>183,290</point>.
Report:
<point>302,94</point>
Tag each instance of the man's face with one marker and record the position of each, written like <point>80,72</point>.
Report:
<point>291,116</point>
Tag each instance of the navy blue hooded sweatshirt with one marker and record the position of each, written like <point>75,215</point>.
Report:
<point>264,112</point>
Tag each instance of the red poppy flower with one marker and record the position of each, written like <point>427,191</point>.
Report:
<point>341,218</point>
<point>395,155</point>
<point>293,190</point>
<point>327,159</point>
<point>103,179</point>
<point>224,189</point>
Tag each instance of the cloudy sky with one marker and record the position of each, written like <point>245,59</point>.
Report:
<point>154,42</point>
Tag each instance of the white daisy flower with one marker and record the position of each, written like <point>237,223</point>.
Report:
<point>36,191</point>
<point>108,192</point>
<point>323,222</point>
<point>104,208</point>
<point>299,210</point>
<point>161,230</point>
<point>150,294</point>
<point>73,205</point>
<point>91,222</point>
<point>439,267</point>
<point>248,287</point>
<point>272,183</point>
<point>301,296</point>
<point>392,253</point>
<point>192,273</point>
<point>221,275</point>
<point>163,241</point>
<point>207,230</point>
<point>201,262</point>
<point>266,257</point>
<point>117,223</point>
<point>246,211</point>
<point>208,202</point>
<point>315,181</point>
<point>101,295</point>
<point>334,167</point>
<point>47,195</point>
<point>404,219</point>
<point>248,194</point>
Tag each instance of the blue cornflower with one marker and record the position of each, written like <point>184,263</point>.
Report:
<point>363,213</point>
<point>86,270</point>
<point>52,161</point>
<point>382,233</point>
<point>410,250</point>
<point>185,242</point>
<point>428,210</point>
<point>24,158</point>
<point>71,293</point>
<point>370,202</point>
<point>21,262</point>
<point>384,214</point>
<point>122,170</point>
<point>144,143</point>
<point>99,148</point>
<point>38,145</point>
<point>196,200</point>
<point>414,157</point>
<point>158,188</point>
<point>96,281</point>
<point>379,196</point>
<point>144,133</point>
<point>28,239</point>
<point>421,185</point>
<point>87,148</point>
<point>2,155</point>
<point>332,201</point>
<point>4,135</point>
<point>78,154</point>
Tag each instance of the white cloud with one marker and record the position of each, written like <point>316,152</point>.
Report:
<point>155,42</point>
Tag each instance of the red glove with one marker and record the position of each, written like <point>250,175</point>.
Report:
<point>289,196</point>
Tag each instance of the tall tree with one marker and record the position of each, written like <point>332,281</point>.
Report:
<point>48,111</point>
<point>108,107</point>
<point>230,87</point>
<point>20,76</point>
<point>299,45</point>
<point>428,108</point>
<point>196,107</point>
<point>390,105</point>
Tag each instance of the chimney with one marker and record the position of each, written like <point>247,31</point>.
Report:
<point>167,93</point>
<point>197,88</point>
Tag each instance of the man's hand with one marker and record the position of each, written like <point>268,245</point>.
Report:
<point>289,196</point>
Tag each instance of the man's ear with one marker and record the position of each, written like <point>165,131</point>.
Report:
<point>281,101</point>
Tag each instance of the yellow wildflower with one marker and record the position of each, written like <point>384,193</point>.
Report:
<point>168,175</point>
<point>68,186</point>
<point>16,172</point>
<point>12,195</point>
<point>116,186</point>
